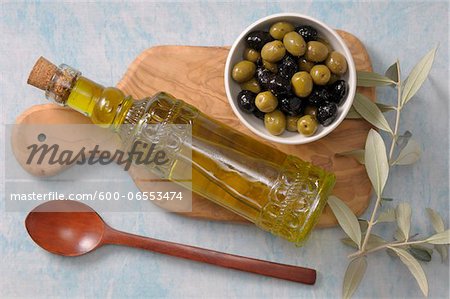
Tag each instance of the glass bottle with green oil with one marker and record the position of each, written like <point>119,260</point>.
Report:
<point>280,193</point>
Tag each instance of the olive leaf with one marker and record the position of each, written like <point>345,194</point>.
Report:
<point>385,108</point>
<point>352,114</point>
<point>443,251</point>
<point>387,216</point>
<point>370,112</point>
<point>436,220</point>
<point>413,266</point>
<point>347,220</point>
<point>357,154</point>
<point>391,253</point>
<point>393,72</point>
<point>372,242</point>
<point>438,225</point>
<point>375,241</point>
<point>349,242</point>
<point>363,224</point>
<point>353,276</point>
<point>403,139</point>
<point>371,79</point>
<point>410,154</point>
<point>406,135</point>
<point>399,236</point>
<point>375,158</point>
<point>403,215</point>
<point>422,247</point>
<point>440,238</point>
<point>417,76</point>
<point>421,253</point>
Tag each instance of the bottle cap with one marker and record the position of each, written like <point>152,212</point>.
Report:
<point>56,81</point>
<point>42,73</point>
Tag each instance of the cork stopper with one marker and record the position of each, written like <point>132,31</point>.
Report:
<point>56,81</point>
<point>42,73</point>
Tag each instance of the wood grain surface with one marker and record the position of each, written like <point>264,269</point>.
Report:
<point>195,74</point>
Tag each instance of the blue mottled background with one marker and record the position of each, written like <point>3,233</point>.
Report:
<point>103,38</point>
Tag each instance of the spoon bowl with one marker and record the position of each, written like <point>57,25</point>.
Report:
<point>67,227</point>
<point>71,228</point>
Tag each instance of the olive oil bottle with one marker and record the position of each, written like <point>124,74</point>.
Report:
<point>280,193</point>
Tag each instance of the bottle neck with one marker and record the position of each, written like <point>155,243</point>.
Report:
<point>105,106</point>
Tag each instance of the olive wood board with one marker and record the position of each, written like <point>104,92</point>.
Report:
<point>195,74</point>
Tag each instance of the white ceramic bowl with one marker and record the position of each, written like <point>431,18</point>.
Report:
<point>232,88</point>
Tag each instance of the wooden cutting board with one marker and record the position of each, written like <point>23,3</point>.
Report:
<point>195,74</point>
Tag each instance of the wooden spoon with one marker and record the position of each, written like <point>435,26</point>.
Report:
<point>71,228</point>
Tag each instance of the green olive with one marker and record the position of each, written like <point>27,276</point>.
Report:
<point>305,65</point>
<point>316,51</point>
<point>273,51</point>
<point>243,71</point>
<point>273,67</point>
<point>326,43</point>
<point>294,43</point>
<point>275,122</point>
<point>320,74</point>
<point>336,63</point>
<point>302,84</point>
<point>266,101</point>
<point>307,125</point>
<point>291,123</point>
<point>251,85</point>
<point>333,78</point>
<point>311,110</point>
<point>251,55</point>
<point>279,29</point>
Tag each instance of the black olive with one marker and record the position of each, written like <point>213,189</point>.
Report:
<point>307,32</point>
<point>257,39</point>
<point>291,105</point>
<point>319,95</point>
<point>283,104</point>
<point>259,114</point>
<point>263,76</point>
<point>337,91</point>
<point>246,101</point>
<point>279,85</point>
<point>287,67</point>
<point>326,113</point>
<point>259,63</point>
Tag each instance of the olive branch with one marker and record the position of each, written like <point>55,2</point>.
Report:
<point>403,150</point>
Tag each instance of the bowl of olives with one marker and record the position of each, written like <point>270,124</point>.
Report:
<point>290,78</point>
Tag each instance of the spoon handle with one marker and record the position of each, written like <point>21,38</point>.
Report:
<point>281,271</point>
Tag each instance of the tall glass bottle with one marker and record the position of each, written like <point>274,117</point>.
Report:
<point>280,193</point>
